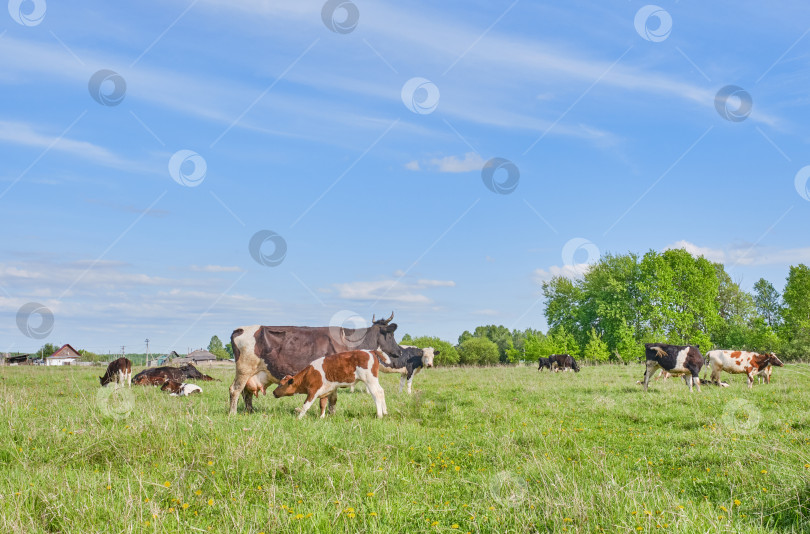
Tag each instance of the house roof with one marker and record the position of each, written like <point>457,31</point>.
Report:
<point>201,354</point>
<point>64,348</point>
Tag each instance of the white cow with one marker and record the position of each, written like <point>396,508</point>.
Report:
<point>737,362</point>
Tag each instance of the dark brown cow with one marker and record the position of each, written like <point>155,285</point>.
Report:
<point>118,372</point>
<point>563,361</point>
<point>159,375</point>
<point>683,360</point>
<point>266,354</point>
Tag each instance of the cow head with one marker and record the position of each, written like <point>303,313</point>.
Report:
<point>172,386</point>
<point>383,329</point>
<point>773,360</point>
<point>104,380</point>
<point>286,387</point>
<point>427,356</point>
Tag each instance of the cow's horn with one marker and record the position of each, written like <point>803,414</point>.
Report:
<point>372,318</point>
<point>390,318</point>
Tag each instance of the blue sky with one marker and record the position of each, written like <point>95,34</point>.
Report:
<point>607,110</point>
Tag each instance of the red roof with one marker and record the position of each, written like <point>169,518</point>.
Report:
<point>67,353</point>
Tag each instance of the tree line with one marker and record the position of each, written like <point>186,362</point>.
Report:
<point>626,300</point>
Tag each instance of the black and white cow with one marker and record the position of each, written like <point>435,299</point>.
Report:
<point>543,362</point>
<point>410,362</point>
<point>684,360</point>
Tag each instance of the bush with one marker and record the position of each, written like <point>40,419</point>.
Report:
<point>478,351</point>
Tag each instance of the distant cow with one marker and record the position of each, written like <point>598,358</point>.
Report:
<point>322,378</point>
<point>736,362</point>
<point>157,376</point>
<point>683,360</point>
<point>410,362</point>
<point>279,351</point>
<point>118,372</point>
<point>543,362</point>
<point>563,361</point>
<point>178,389</point>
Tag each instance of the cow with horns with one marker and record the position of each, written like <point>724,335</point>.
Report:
<point>267,354</point>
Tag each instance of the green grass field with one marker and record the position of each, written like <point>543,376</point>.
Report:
<point>472,450</point>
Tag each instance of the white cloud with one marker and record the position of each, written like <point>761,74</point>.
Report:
<point>746,254</point>
<point>413,166</point>
<point>216,268</point>
<point>471,162</point>
<point>711,254</point>
<point>566,271</point>
<point>391,290</point>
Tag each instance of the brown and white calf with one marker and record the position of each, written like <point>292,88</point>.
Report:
<point>118,372</point>
<point>737,362</point>
<point>322,378</point>
<point>180,389</point>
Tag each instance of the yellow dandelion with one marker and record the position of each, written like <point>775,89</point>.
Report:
<point>737,502</point>
<point>198,492</point>
<point>350,515</point>
<point>764,472</point>
<point>259,488</point>
<point>434,523</point>
<point>454,525</point>
<point>167,484</point>
<point>765,490</point>
<point>567,519</point>
<point>185,505</point>
<point>370,494</point>
<point>458,468</point>
<point>639,528</point>
<point>210,502</point>
<point>373,514</point>
<point>146,499</point>
<point>171,510</point>
<point>723,508</point>
<point>109,487</point>
<point>299,516</point>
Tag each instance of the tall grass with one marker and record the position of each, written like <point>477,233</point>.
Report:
<point>472,450</point>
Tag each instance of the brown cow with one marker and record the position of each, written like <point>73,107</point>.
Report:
<point>322,378</point>
<point>156,376</point>
<point>273,352</point>
<point>118,372</point>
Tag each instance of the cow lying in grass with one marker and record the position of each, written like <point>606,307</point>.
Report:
<point>322,378</point>
<point>157,376</point>
<point>737,362</point>
<point>683,360</point>
<point>178,389</point>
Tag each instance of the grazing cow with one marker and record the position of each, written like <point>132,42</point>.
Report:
<point>279,351</point>
<point>764,374</point>
<point>410,362</point>
<point>543,362</point>
<point>736,362</point>
<point>118,372</point>
<point>157,376</point>
<point>563,361</point>
<point>322,378</point>
<point>683,360</point>
<point>178,389</point>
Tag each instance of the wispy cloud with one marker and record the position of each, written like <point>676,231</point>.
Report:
<point>391,290</point>
<point>746,254</point>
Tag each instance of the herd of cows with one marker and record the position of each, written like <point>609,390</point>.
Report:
<point>317,361</point>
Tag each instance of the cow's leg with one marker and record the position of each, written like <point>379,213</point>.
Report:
<point>307,405</point>
<point>652,367</point>
<point>247,396</point>
<point>376,391</point>
<point>129,378</point>
<point>236,389</point>
<point>410,383</point>
<point>333,402</point>
<point>351,388</point>
<point>402,380</point>
<point>324,402</point>
<point>750,379</point>
<point>716,374</point>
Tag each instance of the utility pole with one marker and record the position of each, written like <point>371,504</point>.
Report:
<point>123,351</point>
<point>147,352</point>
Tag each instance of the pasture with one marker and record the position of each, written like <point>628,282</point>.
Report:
<point>503,449</point>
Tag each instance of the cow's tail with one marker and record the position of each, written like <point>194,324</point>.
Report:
<point>234,347</point>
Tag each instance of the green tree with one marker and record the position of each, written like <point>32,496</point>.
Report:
<point>596,350</point>
<point>766,299</point>
<point>47,349</point>
<point>513,355</point>
<point>478,351</point>
<point>215,347</point>
<point>229,350</point>
<point>796,313</point>
<point>447,354</point>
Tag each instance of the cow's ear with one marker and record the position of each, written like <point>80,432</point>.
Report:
<point>436,352</point>
<point>391,327</point>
